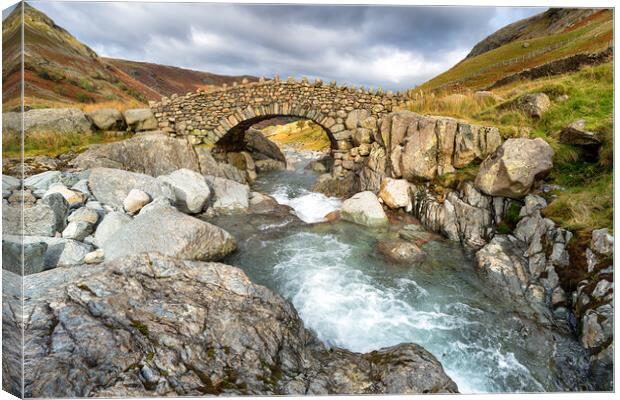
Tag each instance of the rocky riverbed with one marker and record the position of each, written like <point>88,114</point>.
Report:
<point>327,295</point>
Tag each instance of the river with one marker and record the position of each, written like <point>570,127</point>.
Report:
<point>352,298</point>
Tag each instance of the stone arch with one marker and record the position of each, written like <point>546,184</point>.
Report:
<point>233,136</point>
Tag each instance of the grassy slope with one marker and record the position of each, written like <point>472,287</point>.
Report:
<point>587,201</point>
<point>589,35</point>
<point>61,71</point>
<point>301,134</point>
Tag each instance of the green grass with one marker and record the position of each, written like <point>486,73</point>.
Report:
<point>53,145</point>
<point>587,201</point>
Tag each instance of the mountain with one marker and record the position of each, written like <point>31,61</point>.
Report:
<point>60,70</point>
<point>535,42</point>
<point>167,80</point>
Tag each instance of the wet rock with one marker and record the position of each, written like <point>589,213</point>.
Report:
<point>108,227</point>
<point>400,251</point>
<point>395,193</point>
<point>317,166</point>
<point>343,186</point>
<point>256,142</point>
<point>514,167</point>
<point>364,209</point>
<point>135,200</point>
<point>107,119</point>
<point>111,186</point>
<point>534,104</point>
<point>31,255</point>
<point>198,346</point>
<point>148,153</point>
<point>172,233</point>
<point>140,119</point>
<point>230,196</point>
<point>209,166</point>
<point>269,165</point>
<point>61,252</point>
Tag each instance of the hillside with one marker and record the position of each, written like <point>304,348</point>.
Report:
<point>528,44</point>
<point>60,70</point>
<point>167,80</point>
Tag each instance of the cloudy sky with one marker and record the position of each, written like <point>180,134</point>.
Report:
<point>390,47</point>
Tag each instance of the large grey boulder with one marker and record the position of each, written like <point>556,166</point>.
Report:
<point>576,134</point>
<point>364,209</point>
<point>148,325</point>
<point>209,166</point>
<point>230,196</point>
<point>107,119</point>
<point>13,253</point>
<point>47,120</point>
<point>169,232</point>
<point>148,153</point>
<point>111,186</point>
<point>109,225</point>
<point>514,167</point>
<point>140,119</point>
<point>190,188</point>
<point>61,252</point>
<point>60,206</point>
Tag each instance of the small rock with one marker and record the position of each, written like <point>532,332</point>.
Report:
<point>135,200</point>
<point>77,230</point>
<point>535,104</point>
<point>576,134</point>
<point>84,214</point>
<point>61,252</point>
<point>364,209</point>
<point>9,184</point>
<point>602,242</point>
<point>94,257</point>
<point>400,251</point>
<point>395,193</point>
<point>43,180</point>
<point>332,216</point>
<point>72,197</point>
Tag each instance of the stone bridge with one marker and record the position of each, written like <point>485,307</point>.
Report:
<point>348,115</point>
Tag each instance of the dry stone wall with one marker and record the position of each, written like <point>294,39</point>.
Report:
<point>225,114</point>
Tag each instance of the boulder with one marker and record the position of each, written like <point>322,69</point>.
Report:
<point>230,196</point>
<point>61,252</point>
<point>190,188</point>
<point>269,165</point>
<point>108,227</point>
<point>395,193</point>
<point>77,230</point>
<point>9,184</point>
<point>148,153</point>
<point>140,119</point>
<point>47,120</point>
<point>39,219</point>
<point>71,196</point>
<point>209,166</point>
<point>602,242</point>
<point>111,186</point>
<point>419,155</point>
<point>135,200</point>
<point>60,207</point>
<point>84,214</point>
<point>514,167</point>
<point>43,180</point>
<point>32,254</point>
<point>534,104</point>
<point>169,232</point>
<point>364,209</point>
<point>576,134</point>
<point>400,251</point>
<point>256,142</point>
<point>107,119</point>
<point>355,118</point>
<point>149,325</point>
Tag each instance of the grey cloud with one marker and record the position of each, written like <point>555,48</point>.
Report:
<point>391,47</point>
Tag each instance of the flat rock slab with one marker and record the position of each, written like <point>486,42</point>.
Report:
<point>168,231</point>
